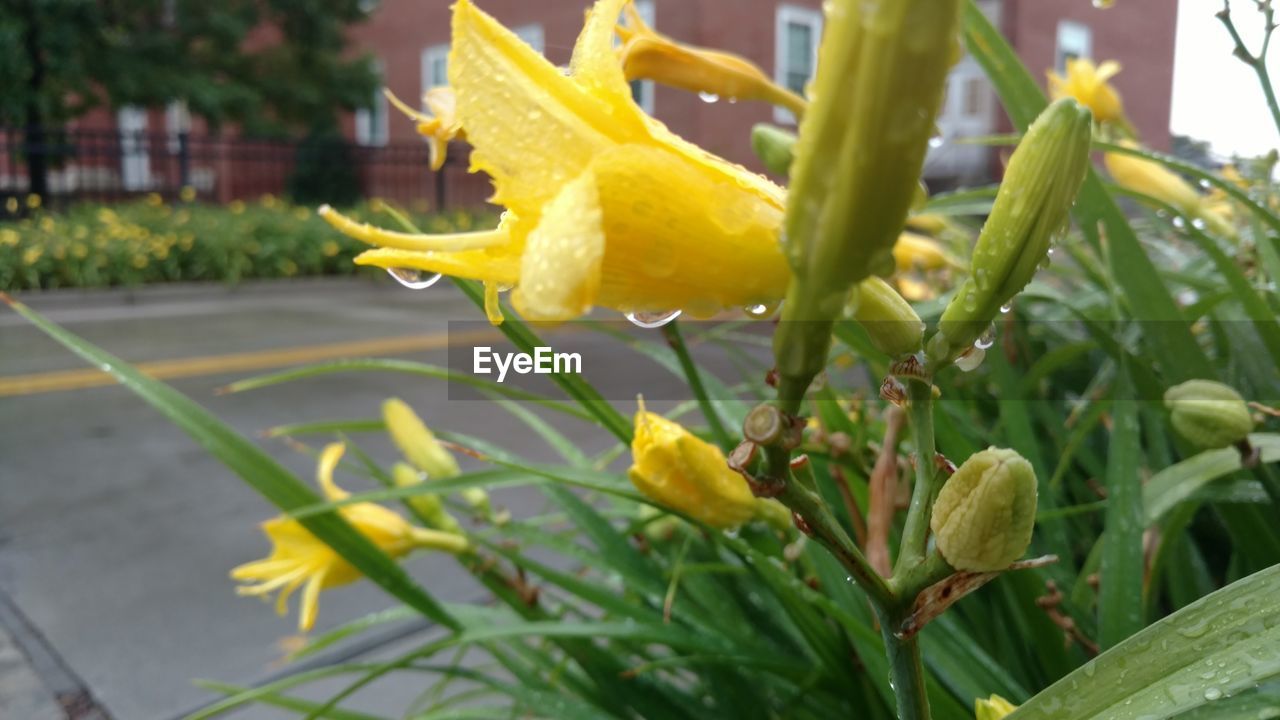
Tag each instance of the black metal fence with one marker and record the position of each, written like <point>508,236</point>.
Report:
<point>110,166</point>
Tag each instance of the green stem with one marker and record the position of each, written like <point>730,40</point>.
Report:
<point>906,671</point>
<point>672,332</point>
<point>1257,62</point>
<point>915,532</point>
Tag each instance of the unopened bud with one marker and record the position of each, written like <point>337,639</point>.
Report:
<point>992,708</point>
<point>984,514</point>
<point>1038,190</point>
<point>1208,414</point>
<point>894,328</point>
<point>774,146</point>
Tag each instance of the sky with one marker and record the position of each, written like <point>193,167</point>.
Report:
<point>1215,96</point>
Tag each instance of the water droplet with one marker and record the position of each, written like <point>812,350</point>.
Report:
<point>986,339</point>
<point>970,361</point>
<point>652,319</point>
<point>1198,224</point>
<point>413,279</point>
<point>761,311</point>
<point>1205,184</point>
<point>708,98</point>
<point>1006,308</point>
<point>937,141</point>
<point>1179,222</point>
<point>732,100</point>
<point>1212,694</point>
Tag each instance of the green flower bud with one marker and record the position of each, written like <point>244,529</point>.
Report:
<point>890,322</point>
<point>1208,414</point>
<point>983,516</point>
<point>774,146</point>
<point>882,68</point>
<point>428,505</point>
<point>1039,187</point>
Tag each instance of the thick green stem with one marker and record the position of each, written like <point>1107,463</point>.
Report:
<point>906,670</point>
<point>672,332</point>
<point>915,532</point>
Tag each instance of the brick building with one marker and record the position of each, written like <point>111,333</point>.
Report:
<point>410,40</point>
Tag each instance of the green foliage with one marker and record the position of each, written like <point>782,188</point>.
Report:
<point>323,172</point>
<point>152,241</point>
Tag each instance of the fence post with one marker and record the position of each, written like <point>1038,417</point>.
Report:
<point>184,160</point>
<point>440,187</point>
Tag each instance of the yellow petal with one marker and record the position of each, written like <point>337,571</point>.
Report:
<point>532,128</point>
<point>560,271</point>
<point>329,458</point>
<point>594,63</point>
<point>1106,71</point>
<point>682,235</point>
<point>449,242</point>
<point>310,602</point>
<point>502,268</point>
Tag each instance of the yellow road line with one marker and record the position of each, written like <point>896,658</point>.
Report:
<point>36,383</point>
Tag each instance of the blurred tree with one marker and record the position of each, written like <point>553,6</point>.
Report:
<point>271,66</point>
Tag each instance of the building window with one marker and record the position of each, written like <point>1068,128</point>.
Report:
<point>176,122</point>
<point>371,121</point>
<point>796,53</point>
<point>135,155</point>
<point>533,36</point>
<point>643,90</point>
<point>435,67</point>
<point>1074,41</point>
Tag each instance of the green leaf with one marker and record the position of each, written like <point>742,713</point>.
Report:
<point>1120,601</point>
<point>258,469</point>
<point>1217,647</point>
<point>1179,482</point>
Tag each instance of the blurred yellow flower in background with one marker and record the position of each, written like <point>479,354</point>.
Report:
<point>605,205</point>
<point>1090,85</point>
<point>648,55</point>
<point>298,557</point>
<point>992,708</point>
<point>681,471</point>
<point>439,125</point>
<point>1151,178</point>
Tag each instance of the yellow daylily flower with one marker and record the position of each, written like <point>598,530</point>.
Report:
<point>681,471</point>
<point>439,125</point>
<point>917,252</point>
<point>1089,85</point>
<point>993,708</point>
<point>605,206</point>
<point>298,557</point>
<point>1151,178</point>
<point>649,55</point>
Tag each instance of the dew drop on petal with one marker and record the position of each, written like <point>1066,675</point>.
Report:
<point>936,141</point>
<point>707,97</point>
<point>1212,693</point>
<point>413,279</point>
<point>652,319</point>
<point>1006,308</point>
<point>760,311</point>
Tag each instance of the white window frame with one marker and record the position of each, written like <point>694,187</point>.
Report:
<point>436,54</point>
<point>1073,38</point>
<point>135,155</point>
<point>788,15</point>
<point>533,35</point>
<point>372,127</point>
<point>643,91</point>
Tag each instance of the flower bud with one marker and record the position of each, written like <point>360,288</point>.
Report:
<point>648,55</point>
<point>429,506</point>
<point>894,328</point>
<point>1039,187</point>
<point>774,146</point>
<point>681,471</point>
<point>984,513</point>
<point>421,448</point>
<point>1208,414</point>
<point>993,708</point>
<point>917,252</point>
<point>882,68</point>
